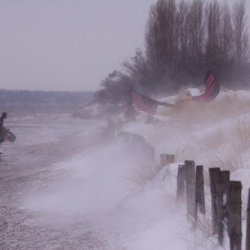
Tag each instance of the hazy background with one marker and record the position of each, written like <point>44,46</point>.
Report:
<point>67,45</point>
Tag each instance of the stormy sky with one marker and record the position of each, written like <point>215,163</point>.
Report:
<point>67,45</point>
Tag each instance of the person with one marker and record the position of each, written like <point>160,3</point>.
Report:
<point>4,116</point>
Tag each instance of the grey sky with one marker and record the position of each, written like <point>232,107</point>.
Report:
<point>67,45</point>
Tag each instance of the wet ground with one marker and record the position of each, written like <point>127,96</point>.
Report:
<point>29,163</point>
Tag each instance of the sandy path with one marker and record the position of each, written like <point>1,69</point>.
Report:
<point>41,143</point>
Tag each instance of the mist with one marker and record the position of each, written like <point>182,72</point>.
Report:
<point>72,180</point>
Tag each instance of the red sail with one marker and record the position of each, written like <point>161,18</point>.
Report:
<point>212,88</point>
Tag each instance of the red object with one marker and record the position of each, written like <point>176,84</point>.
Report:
<point>143,103</point>
<point>212,88</point>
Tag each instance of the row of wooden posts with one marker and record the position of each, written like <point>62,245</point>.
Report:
<point>226,202</point>
<point>137,145</point>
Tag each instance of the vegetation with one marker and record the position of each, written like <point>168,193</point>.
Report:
<point>182,41</point>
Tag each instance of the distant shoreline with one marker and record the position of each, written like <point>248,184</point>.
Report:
<point>44,98</point>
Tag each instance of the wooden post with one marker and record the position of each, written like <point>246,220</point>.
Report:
<point>170,159</point>
<point>190,189</point>
<point>181,178</point>
<point>248,223</point>
<point>214,174</point>
<point>163,160</point>
<point>166,159</point>
<point>152,152</point>
<point>234,215</point>
<point>199,192</point>
<point>222,188</point>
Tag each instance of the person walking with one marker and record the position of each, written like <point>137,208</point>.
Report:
<point>2,139</point>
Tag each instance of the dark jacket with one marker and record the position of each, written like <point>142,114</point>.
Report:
<point>1,121</point>
<point>3,116</point>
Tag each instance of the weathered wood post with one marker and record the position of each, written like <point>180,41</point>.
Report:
<point>234,215</point>
<point>151,152</point>
<point>248,223</point>
<point>170,159</point>
<point>166,159</point>
<point>163,160</point>
<point>199,192</point>
<point>222,188</point>
<point>214,174</point>
<point>190,189</point>
<point>181,178</point>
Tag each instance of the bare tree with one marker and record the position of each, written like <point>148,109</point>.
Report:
<point>225,53</point>
<point>226,34</point>
<point>241,39</point>
<point>161,40</point>
<point>183,34</point>
<point>196,35</point>
<point>139,71</point>
<point>213,24</point>
<point>115,89</point>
